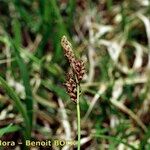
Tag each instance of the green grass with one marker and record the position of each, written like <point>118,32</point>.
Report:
<point>115,140</point>
<point>19,105</point>
<point>10,128</point>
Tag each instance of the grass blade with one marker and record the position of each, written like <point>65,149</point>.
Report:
<point>115,139</point>
<point>17,103</point>
<point>59,28</point>
<point>8,129</point>
<point>15,43</point>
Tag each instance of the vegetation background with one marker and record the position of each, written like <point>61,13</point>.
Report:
<point>111,36</point>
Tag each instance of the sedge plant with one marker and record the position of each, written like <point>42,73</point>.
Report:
<point>74,77</point>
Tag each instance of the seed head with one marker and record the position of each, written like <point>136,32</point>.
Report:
<point>71,87</point>
<point>79,69</point>
<point>67,49</point>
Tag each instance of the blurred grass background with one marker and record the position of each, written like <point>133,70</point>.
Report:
<point>112,37</point>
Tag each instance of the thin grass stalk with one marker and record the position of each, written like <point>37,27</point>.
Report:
<point>78,116</point>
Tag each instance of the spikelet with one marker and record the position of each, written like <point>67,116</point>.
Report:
<point>71,87</point>
<point>79,69</point>
<point>68,49</point>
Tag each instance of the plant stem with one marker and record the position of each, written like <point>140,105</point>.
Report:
<point>78,117</point>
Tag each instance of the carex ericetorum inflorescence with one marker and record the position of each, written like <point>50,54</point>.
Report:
<point>73,79</point>
<point>77,67</point>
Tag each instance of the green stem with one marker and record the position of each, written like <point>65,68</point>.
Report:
<point>78,116</point>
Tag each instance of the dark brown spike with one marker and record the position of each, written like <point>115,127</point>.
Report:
<point>67,49</point>
<point>71,87</point>
<point>79,69</point>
